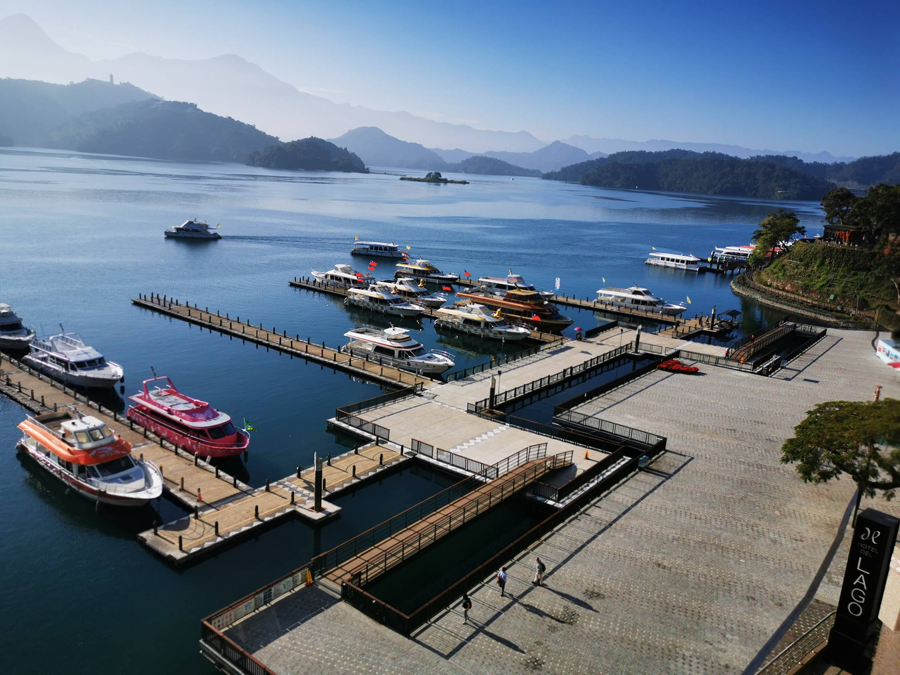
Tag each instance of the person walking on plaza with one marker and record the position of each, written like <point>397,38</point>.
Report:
<point>539,569</point>
<point>466,606</point>
<point>501,581</point>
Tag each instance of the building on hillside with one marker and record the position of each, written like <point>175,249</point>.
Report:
<point>850,235</point>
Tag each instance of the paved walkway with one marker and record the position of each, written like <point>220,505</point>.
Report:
<point>689,567</point>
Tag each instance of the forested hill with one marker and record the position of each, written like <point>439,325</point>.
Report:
<point>31,110</point>
<point>699,173</point>
<point>162,130</point>
<point>488,166</point>
<point>860,173</point>
<point>311,154</point>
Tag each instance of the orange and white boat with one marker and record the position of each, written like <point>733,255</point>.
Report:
<point>84,454</point>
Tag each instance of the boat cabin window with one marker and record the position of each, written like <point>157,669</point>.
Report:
<point>383,351</point>
<point>100,433</point>
<point>222,431</point>
<point>82,437</point>
<point>111,468</point>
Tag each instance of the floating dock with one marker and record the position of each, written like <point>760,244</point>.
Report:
<point>224,508</point>
<point>369,369</point>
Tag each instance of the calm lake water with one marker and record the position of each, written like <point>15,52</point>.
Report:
<point>82,235</point>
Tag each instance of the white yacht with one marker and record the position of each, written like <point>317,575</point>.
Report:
<point>732,254</point>
<point>344,276</point>
<point>500,286</point>
<point>424,269</point>
<point>377,299</point>
<point>676,261</point>
<point>636,297</point>
<point>192,229</point>
<point>13,335</point>
<point>65,357</point>
<point>394,346</point>
<point>378,249</point>
<point>476,320</point>
<point>415,292</point>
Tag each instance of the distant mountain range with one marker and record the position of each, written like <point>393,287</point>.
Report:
<point>611,145</point>
<point>233,87</point>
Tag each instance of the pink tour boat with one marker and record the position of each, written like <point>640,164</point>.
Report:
<point>188,423</point>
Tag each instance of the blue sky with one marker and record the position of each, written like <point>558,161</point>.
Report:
<point>807,76</point>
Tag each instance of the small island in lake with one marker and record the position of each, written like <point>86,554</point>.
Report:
<point>434,177</point>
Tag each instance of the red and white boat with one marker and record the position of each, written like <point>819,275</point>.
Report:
<point>85,455</point>
<point>188,423</point>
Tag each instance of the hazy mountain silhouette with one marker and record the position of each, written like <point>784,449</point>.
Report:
<point>549,158</point>
<point>377,148</point>
<point>230,86</point>
<point>611,145</point>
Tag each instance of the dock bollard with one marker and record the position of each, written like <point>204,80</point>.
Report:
<point>216,526</point>
<point>42,400</point>
<point>217,472</point>
<point>156,527</point>
<point>381,459</point>
<point>256,511</point>
<point>196,512</point>
<point>354,470</point>
<point>267,485</point>
<point>234,481</point>
<point>292,497</point>
<point>182,483</point>
<point>142,456</point>
<point>180,543</point>
<point>323,484</point>
<point>298,472</point>
<point>199,496</point>
<point>196,459</point>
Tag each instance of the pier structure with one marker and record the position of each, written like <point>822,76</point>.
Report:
<point>223,509</point>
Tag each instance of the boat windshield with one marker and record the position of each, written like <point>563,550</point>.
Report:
<point>222,431</point>
<point>108,469</point>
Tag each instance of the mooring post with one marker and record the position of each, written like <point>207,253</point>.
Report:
<point>216,525</point>
<point>354,470</point>
<point>319,482</point>
<point>267,485</point>
<point>381,459</point>
<point>156,527</point>
<point>180,543</point>
<point>256,511</point>
<point>196,512</point>
<point>182,483</point>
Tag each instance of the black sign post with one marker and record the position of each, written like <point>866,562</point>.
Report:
<point>864,579</point>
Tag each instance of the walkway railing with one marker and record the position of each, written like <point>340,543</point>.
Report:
<point>500,361</point>
<point>558,493</point>
<point>349,549</point>
<point>792,655</point>
<point>383,399</point>
<point>620,431</point>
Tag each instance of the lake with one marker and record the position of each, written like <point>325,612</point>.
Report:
<point>82,235</point>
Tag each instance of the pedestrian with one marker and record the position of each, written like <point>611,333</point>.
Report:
<point>501,581</point>
<point>539,569</point>
<point>466,605</point>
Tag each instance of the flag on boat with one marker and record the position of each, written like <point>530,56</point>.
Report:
<point>653,247</point>
<point>408,247</point>
<point>689,299</point>
<point>557,283</point>
<point>466,273</point>
<point>219,225</point>
<point>604,279</point>
<point>372,263</point>
<point>248,426</point>
<point>355,238</point>
<point>535,317</point>
<point>359,276</point>
<point>447,288</point>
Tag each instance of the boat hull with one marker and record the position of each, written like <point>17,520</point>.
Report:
<point>192,444</point>
<point>86,379</point>
<point>212,236</point>
<point>421,368</point>
<point>482,333</point>
<point>394,255</point>
<point>16,341</point>
<point>673,265</point>
<point>88,491</point>
<point>384,309</point>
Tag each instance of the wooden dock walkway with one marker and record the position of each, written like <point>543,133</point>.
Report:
<point>366,368</point>
<point>224,507</point>
<point>390,552</point>
<point>691,327</point>
<point>429,313</point>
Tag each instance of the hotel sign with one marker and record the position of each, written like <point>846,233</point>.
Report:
<point>864,579</point>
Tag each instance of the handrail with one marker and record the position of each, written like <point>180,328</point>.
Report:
<point>502,360</point>
<point>613,428</point>
<point>383,399</point>
<point>771,667</point>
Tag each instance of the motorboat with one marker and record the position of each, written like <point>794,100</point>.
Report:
<point>193,229</point>
<point>377,299</point>
<point>731,254</point>
<point>83,453</point>
<point>524,308</point>
<point>676,261</point>
<point>378,249</point>
<point>395,346</point>
<point>424,269</point>
<point>186,422</point>
<point>65,357</point>
<point>636,297</point>
<point>500,286</point>
<point>475,319</point>
<point>344,276</point>
<point>13,335</point>
<point>412,291</point>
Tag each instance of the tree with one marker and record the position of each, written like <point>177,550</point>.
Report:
<point>860,439</point>
<point>879,210</point>
<point>838,204</point>
<point>776,229</point>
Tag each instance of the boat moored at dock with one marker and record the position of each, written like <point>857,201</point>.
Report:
<point>187,422</point>
<point>636,297</point>
<point>500,286</point>
<point>378,249</point>
<point>378,299</point>
<point>193,229</point>
<point>344,276</point>
<point>676,261</point>
<point>524,308</point>
<point>424,269</point>
<point>13,335</point>
<point>396,347</point>
<point>65,357</point>
<point>474,319</point>
<point>86,456</point>
<point>414,292</point>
